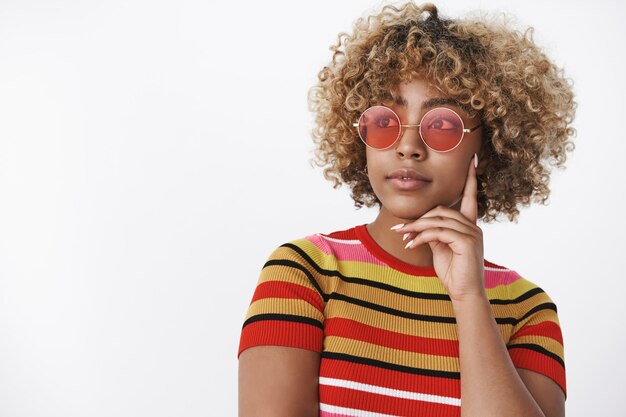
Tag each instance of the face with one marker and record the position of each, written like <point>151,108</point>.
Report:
<point>447,171</point>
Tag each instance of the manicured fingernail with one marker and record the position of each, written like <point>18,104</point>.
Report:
<point>397,226</point>
<point>409,244</point>
<point>475,160</point>
<point>406,235</point>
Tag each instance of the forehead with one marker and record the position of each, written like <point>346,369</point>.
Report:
<point>421,94</point>
<point>428,103</point>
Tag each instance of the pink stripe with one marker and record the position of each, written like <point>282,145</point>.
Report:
<point>344,251</point>
<point>495,278</point>
<point>357,252</point>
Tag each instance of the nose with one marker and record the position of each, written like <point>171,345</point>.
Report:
<point>410,143</point>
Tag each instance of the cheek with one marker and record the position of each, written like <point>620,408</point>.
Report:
<point>377,168</point>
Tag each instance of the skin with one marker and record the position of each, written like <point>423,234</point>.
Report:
<point>278,381</point>
<point>440,219</point>
<point>448,171</point>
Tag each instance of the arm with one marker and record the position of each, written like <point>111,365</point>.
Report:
<point>278,381</point>
<point>490,384</point>
<point>545,391</point>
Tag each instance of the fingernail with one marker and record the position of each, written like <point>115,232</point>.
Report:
<point>475,160</point>
<point>409,244</point>
<point>397,226</point>
<point>406,235</point>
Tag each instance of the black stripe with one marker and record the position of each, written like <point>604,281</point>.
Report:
<point>413,294</point>
<point>376,307</point>
<point>355,280</point>
<point>519,299</point>
<point>390,288</point>
<point>392,311</point>
<point>283,317</point>
<point>391,366</point>
<point>285,262</point>
<point>414,316</point>
<point>543,306</point>
<point>539,349</point>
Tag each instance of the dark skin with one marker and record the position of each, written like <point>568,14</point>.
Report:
<point>441,222</point>
<point>448,170</point>
<point>283,381</point>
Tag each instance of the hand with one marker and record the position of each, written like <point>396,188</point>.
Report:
<point>455,241</point>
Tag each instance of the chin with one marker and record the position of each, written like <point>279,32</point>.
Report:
<point>406,209</point>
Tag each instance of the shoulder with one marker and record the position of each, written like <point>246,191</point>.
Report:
<point>524,299</point>
<point>316,248</point>
<point>515,283</point>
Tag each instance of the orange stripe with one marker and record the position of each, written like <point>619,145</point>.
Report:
<point>283,289</point>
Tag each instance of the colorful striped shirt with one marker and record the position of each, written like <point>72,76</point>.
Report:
<point>386,329</point>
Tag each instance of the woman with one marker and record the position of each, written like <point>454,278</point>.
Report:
<point>440,123</point>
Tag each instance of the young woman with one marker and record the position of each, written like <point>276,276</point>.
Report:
<point>440,123</point>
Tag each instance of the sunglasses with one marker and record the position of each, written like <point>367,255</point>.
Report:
<point>441,129</point>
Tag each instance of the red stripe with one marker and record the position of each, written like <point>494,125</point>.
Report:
<point>283,289</point>
<point>547,328</point>
<point>538,362</point>
<point>281,333</point>
<point>366,374</point>
<point>492,265</point>
<point>346,397</point>
<point>347,234</point>
<point>358,331</point>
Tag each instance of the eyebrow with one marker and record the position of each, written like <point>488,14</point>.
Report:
<point>431,102</point>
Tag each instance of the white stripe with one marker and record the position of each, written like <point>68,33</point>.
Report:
<point>490,268</point>
<point>351,411</point>
<point>390,391</point>
<point>348,242</point>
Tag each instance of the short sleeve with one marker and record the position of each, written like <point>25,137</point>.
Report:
<point>287,305</point>
<point>536,341</point>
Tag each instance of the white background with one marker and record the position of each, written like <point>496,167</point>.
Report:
<point>142,189</point>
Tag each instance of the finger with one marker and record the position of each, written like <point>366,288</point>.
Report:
<point>469,204</point>
<point>439,211</point>
<point>458,242</point>
<point>423,223</point>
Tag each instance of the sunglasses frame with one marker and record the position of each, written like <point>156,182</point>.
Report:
<point>464,131</point>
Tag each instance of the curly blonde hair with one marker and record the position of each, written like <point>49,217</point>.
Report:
<point>525,103</point>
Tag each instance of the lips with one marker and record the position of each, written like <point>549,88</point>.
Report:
<point>408,174</point>
<point>408,179</point>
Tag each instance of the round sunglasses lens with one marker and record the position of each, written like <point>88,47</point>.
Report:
<point>442,129</point>
<point>379,127</point>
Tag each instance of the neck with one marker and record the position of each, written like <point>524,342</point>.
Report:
<point>391,241</point>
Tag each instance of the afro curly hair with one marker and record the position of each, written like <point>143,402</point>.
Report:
<point>525,103</point>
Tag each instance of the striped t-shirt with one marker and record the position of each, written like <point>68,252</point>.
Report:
<point>386,329</point>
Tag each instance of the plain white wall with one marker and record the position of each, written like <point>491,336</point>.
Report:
<point>141,191</point>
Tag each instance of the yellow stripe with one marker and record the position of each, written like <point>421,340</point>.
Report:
<point>528,304</point>
<point>546,342</point>
<point>390,355</point>
<point>285,274</point>
<point>519,287</point>
<point>385,275</point>
<point>412,305</point>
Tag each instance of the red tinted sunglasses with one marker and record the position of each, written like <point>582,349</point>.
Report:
<point>441,129</point>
